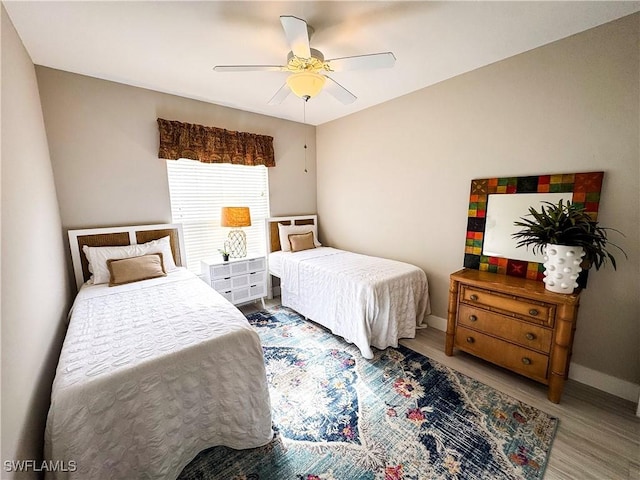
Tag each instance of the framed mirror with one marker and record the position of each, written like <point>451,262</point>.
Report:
<point>495,203</point>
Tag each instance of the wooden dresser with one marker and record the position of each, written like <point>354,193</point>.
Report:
<point>515,323</point>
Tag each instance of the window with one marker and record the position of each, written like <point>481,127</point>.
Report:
<point>199,190</point>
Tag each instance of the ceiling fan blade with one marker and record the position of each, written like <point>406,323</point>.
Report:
<point>339,92</point>
<point>297,34</point>
<point>362,62</point>
<point>280,95</point>
<point>249,68</point>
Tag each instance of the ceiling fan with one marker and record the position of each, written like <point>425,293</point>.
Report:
<point>307,67</point>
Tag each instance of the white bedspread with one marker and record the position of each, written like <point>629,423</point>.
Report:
<point>150,374</point>
<point>275,262</point>
<point>369,301</point>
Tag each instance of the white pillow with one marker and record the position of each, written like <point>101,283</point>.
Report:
<point>285,230</point>
<point>98,256</point>
<point>163,246</point>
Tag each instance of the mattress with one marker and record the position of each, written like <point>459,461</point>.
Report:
<point>150,374</point>
<point>369,301</point>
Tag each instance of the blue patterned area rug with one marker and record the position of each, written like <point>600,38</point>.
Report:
<point>399,416</point>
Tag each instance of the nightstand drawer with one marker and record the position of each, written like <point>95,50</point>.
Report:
<point>227,295</point>
<point>241,295</point>
<point>222,285</point>
<point>230,269</point>
<point>257,277</point>
<point>524,361</point>
<point>220,271</point>
<point>538,312</point>
<point>256,264</point>
<point>238,268</point>
<point>240,281</point>
<point>259,290</point>
<point>510,329</point>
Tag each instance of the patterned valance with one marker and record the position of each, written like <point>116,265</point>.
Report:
<point>213,145</point>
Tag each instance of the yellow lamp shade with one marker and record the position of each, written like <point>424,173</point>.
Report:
<point>235,217</point>
<point>306,84</point>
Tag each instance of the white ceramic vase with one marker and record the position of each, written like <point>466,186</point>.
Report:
<point>562,266</point>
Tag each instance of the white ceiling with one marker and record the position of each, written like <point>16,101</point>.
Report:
<point>172,46</point>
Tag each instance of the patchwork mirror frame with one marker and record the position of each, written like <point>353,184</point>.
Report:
<point>585,189</point>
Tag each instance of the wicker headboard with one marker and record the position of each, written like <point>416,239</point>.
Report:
<point>273,237</point>
<point>119,236</point>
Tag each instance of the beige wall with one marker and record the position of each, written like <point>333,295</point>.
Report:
<point>34,291</point>
<point>394,180</point>
<point>103,139</point>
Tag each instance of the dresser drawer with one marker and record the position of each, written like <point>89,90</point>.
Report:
<point>520,307</point>
<point>524,361</point>
<point>508,328</point>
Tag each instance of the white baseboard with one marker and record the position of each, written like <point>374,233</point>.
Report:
<point>438,323</point>
<point>602,381</point>
<point>605,382</point>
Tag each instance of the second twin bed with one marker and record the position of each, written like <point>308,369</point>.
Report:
<point>369,301</point>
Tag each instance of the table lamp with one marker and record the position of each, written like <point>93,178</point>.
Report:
<point>236,218</point>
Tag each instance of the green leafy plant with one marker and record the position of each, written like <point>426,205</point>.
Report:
<point>225,253</point>
<point>566,224</point>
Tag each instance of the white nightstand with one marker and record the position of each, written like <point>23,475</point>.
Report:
<point>239,280</point>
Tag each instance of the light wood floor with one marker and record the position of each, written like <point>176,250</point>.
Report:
<point>598,436</point>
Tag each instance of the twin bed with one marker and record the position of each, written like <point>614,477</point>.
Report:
<point>154,371</point>
<point>369,301</point>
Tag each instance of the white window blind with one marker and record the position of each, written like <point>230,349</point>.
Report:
<point>198,191</point>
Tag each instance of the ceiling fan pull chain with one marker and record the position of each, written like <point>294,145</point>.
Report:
<point>304,122</point>
<point>305,158</point>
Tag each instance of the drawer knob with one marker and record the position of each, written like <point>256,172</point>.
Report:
<point>473,318</point>
<point>474,297</point>
<point>530,336</point>
<point>526,361</point>
<point>470,340</point>
<point>533,312</point>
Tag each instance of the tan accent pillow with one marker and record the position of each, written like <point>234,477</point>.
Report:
<point>285,230</point>
<point>135,269</point>
<point>301,241</point>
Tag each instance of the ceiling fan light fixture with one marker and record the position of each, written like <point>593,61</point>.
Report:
<point>307,66</point>
<point>306,84</point>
